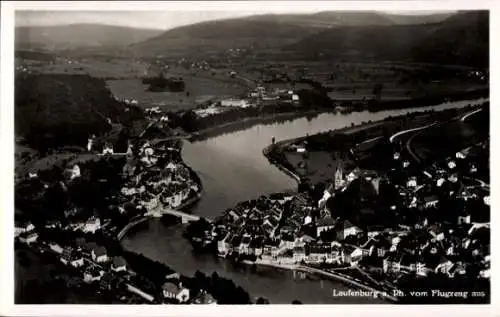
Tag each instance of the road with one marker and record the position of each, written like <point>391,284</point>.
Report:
<point>434,125</point>
<point>391,139</point>
<point>469,114</point>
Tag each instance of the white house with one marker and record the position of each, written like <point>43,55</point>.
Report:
<point>171,166</point>
<point>77,261</point>
<point>56,248</point>
<point>183,295</point>
<point>28,238</point>
<point>90,276</point>
<point>440,182</point>
<point>148,151</point>
<point>463,219</point>
<point>75,172</point>
<point>351,177</point>
<point>453,178</point>
<point>350,229</point>
<point>307,220</point>
<point>406,164</point>
<point>460,155</point>
<point>295,97</point>
<point>396,155</point>
<point>26,227</point>
<point>452,164</point>
<point>412,182</point>
<point>99,255</point>
<point>486,200</point>
<point>485,273</point>
<point>170,290</point>
<point>32,174</point>
<point>356,256</point>
<point>108,149</point>
<point>92,225</point>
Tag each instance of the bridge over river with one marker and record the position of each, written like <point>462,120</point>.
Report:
<point>185,218</point>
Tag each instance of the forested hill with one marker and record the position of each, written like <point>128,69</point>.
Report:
<point>265,31</point>
<point>461,39</point>
<point>59,110</point>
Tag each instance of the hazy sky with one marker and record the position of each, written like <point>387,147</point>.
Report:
<point>142,19</point>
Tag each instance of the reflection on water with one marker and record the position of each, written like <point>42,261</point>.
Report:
<point>166,244</point>
<point>233,169</point>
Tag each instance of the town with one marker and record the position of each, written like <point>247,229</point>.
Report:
<point>317,158</point>
<point>153,178</point>
<point>423,223</point>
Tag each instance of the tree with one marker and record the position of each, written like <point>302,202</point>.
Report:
<point>262,301</point>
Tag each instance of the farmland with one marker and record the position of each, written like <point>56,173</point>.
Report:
<point>197,90</point>
<point>349,80</point>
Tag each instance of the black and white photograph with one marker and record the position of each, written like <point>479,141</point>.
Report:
<point>261,155</point>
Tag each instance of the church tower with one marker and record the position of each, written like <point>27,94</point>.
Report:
<point>339,176</point>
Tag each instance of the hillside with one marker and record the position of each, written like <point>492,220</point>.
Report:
<point>223,35</point>
<point>260,31</point>
<point>461,39</point>
<point>59,110</point>
<point>401,19</point>
<point>74,36</point>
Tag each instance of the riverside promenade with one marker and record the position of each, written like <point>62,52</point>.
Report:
<point>337,276</point>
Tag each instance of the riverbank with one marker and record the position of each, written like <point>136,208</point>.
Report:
<point>338,277</point>
<point>237,171</point>
<point>282,165</point>
<point>275,153</point>
<point>248,122</point>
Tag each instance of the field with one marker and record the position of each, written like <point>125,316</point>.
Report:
<point>198,90</point>
<point>347,80</point>
<point>95,67</point>
<point>344,79</point>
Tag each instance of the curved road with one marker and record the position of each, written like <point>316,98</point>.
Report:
<point>434,125</point>
<point>470,114</point>
<point>391,139</point>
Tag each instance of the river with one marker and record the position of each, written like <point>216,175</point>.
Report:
<point>233,169</point>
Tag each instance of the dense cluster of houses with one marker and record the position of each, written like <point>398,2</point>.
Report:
<point>155,178</point>
<point>154,183</point>
<point>289,230</point>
